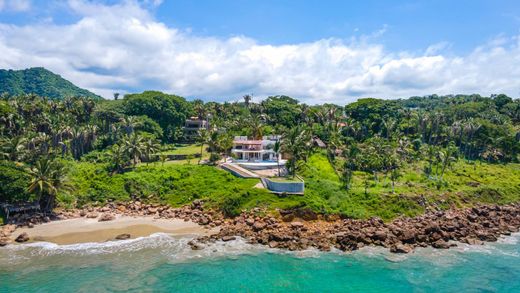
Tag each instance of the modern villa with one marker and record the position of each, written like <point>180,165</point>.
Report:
<point>256,153</point>
<point>192,127</point>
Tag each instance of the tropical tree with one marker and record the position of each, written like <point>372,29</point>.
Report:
<point>48,178</point>
<point>119,157</point>
<point>277,147</point>
<point>133,145</point>
<point>296,142</point>
<point>150,148</point>
<point>202,138</point>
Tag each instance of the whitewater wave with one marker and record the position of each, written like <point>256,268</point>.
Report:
<point>176,249</point>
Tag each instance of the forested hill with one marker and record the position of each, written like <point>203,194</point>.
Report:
<point>40,81</point>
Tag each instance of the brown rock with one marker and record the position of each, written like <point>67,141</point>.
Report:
<point>92,215</point>
<point>380,235</point>
<point>257,226</point>
<point>195,245</point>
<point>441,244</point>
<point>24,237</point>
<point>273,244</point>
<point>4,241</point>
<point>228,238</point>
<point>123,236</point>
<point>296,225</point>
<point>106,217</point>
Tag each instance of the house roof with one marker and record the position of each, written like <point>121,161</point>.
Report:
<point>247,141</point>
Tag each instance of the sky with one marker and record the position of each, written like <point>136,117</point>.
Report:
<point>315,51</point>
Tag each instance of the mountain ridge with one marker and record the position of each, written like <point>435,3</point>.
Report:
<point>40,81</point>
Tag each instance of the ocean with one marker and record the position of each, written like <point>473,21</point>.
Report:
<point>161,263</point>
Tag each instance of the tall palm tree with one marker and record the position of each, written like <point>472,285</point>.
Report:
<point>296,142</point>
<point>12,148</point>
<point>129,124</point>
<point>256,125</point>
<point>150,148</point>
<point>247,100</point>
<point>119,157</point>
<point>202,138</point>
<point>277,148</point>
<point>48,178</point>
<point>134,147</point>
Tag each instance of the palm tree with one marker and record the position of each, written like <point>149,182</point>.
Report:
<point>295,142</point>
<point>48,178</point>
<point>13,148</point>
<point>150,148</point>
<point>119,158</point>
<point>202,138</point>
<point>256,125</point>
<point>247,100</point>
<point>277,148</point>
<point>134,147</point>
<point>129,124</point>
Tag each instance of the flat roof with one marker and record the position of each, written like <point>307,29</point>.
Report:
<point>247,141</point>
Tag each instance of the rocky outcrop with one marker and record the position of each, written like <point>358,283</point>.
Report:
<point>438,229</point>
<point>299,229</point>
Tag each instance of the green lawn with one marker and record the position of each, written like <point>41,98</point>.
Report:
<point>186,149</point>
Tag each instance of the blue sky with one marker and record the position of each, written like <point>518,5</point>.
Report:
<point>409,25</point>
<point>315,50</point>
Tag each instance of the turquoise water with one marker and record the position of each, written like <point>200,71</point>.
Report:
<point>164,264</point>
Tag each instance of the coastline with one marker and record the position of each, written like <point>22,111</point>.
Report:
<point>81,230</point>
<point>287,229</point>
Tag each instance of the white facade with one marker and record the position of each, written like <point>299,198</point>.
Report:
<point>255,150</point>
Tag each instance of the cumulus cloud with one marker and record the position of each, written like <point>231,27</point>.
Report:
<point>15,5</point>
<point>123,48</point>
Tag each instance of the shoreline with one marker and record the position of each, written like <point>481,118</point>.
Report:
<point>292,230</point>
<point>82,230</point>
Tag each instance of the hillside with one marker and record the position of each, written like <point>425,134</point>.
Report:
<point>40,81</point>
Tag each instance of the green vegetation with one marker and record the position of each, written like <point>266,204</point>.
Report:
<point>40,81</point>
<point>468,184</point>
<point>381,158</point>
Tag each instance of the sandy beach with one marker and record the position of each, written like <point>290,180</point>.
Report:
<point>83,230</point>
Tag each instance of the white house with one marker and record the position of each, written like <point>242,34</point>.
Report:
<point>256,153</point>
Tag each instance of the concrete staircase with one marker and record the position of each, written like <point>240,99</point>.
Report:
<point>238,171</point>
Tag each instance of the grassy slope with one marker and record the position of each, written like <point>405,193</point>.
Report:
<point>173,184</point>
<point>180,184</point>
<point>498,184</point>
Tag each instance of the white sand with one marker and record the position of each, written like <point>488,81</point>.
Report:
<point>90,230</point>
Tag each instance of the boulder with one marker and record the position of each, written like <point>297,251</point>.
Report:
<point>228,238</point>
<point>92,215</point>
<point>401,248</point>
<point>4,241</point>
<point>380,235</point>
<point>106,217</point>
<point>195,245</point>
<point>296,225</point>
<point>123,236</point>
<point>24,237</point>
<point>257,226</point>
<point>441,244</point>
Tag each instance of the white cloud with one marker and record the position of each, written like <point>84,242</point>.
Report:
<point>111,48</point>
<point>15,5</point>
